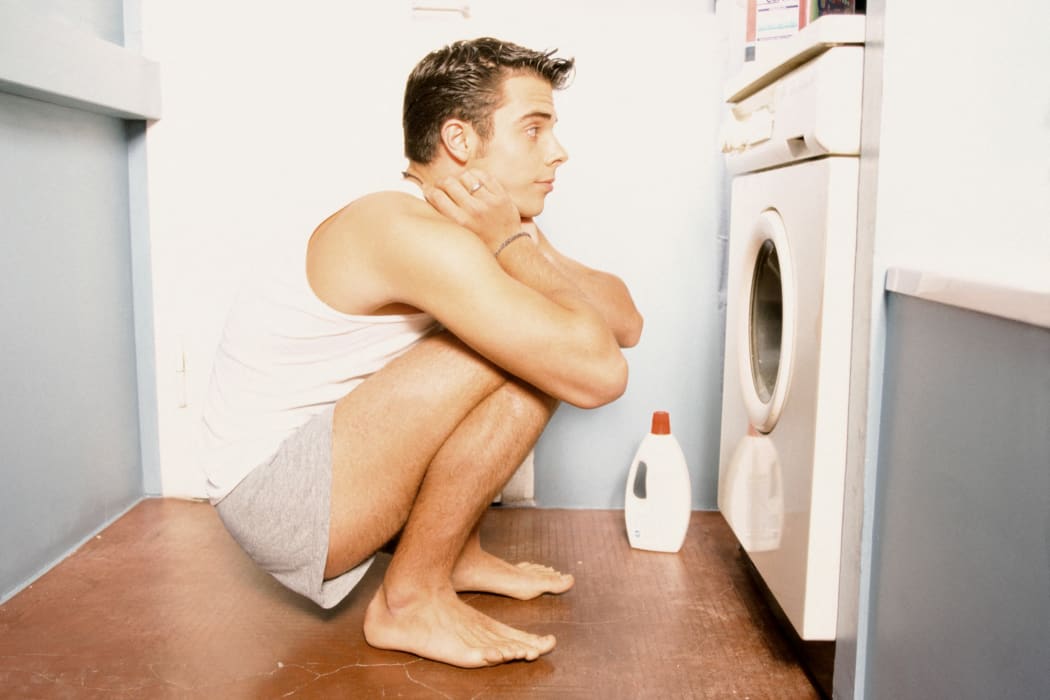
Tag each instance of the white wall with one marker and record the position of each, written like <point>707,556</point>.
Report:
<point>964,158</point>
<point>274,116</point>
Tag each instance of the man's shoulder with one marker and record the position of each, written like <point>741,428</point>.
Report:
<point>384,213</point>
<point>388,204</point>
<point>360,257</point>
<point>385,223</point>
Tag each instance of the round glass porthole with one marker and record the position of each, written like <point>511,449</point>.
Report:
<point>767,322</point>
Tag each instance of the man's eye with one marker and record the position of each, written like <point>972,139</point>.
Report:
<point>532,131</point>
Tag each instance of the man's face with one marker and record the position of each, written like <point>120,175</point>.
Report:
<point>523,153</point>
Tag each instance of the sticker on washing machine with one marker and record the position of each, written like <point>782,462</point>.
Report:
<point>771,20</point>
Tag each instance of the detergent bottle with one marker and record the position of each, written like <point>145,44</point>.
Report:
<point>658,498</point>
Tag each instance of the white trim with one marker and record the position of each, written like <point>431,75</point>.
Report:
<point>45,59</point>
<point>521,489</point>
<point>1017,304</point>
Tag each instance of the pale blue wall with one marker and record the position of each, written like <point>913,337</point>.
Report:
<point>69,437</point>
<point>657,219</point>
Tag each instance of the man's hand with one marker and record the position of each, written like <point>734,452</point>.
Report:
<point>477,202</point>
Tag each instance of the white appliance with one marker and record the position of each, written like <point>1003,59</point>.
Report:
<point>793,143</point>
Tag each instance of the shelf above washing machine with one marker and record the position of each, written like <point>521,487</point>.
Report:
<point>822,34</point>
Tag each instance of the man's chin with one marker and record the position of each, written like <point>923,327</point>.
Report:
<point>530,210</point>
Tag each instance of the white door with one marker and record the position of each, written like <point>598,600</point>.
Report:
<point>766,326</point>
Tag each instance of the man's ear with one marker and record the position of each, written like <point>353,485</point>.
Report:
<point>459,139</point>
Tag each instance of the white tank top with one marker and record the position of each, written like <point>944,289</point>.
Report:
<point>284,357</point>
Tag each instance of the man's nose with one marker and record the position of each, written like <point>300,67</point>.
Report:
<point>558,154</point>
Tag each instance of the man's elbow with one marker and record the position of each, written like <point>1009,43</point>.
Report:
<point>631,332</point>
<point>607,383</point>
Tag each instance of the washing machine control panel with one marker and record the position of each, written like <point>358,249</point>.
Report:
<point>812,111</point>
<point>801,101</point>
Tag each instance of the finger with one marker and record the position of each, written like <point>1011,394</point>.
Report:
<point>455,189</point>
<point>470,182</point>
<point>488,182</point>
<point>440,200</point>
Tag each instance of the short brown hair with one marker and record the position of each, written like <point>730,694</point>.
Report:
<point>464,81</point>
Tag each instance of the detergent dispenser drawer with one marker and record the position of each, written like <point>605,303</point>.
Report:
<point>812,111</point>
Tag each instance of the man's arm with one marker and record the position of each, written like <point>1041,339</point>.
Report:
<point>486,215</point>
<point>606,292</point>
<point>517,310</point>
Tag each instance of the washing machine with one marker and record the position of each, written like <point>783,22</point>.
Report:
<point>792,144</point>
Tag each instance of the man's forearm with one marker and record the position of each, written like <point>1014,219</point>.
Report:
<point>609,296</point>
<point>524,261</point>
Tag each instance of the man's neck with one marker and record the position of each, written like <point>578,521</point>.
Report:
<point>425,175</point>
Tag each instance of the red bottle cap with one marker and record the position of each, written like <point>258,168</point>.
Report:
<point>661,423</point>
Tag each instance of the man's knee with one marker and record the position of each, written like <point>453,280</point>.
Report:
<point>525,404</point>
<point>446,356</point>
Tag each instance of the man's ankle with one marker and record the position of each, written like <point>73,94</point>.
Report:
<point>401,595</point>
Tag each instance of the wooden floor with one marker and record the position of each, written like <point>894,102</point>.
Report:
<point>163,604</point>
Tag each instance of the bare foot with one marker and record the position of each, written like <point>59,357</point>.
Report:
<point>477,570</point>
<point>444,628</point>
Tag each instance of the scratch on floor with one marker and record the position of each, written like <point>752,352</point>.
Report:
<point>70,683</point>
<point>165,681</point>
<point>318,676</point>
<point>424,685</point>
<point>587,623</point>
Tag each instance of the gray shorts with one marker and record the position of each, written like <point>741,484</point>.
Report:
<point>279,514</point>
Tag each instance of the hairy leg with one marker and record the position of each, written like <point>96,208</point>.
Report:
<point>410,611</point>
<point>416,446</point>
<point>385,434</point>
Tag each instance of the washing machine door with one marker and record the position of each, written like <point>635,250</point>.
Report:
<point>767,328</point>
